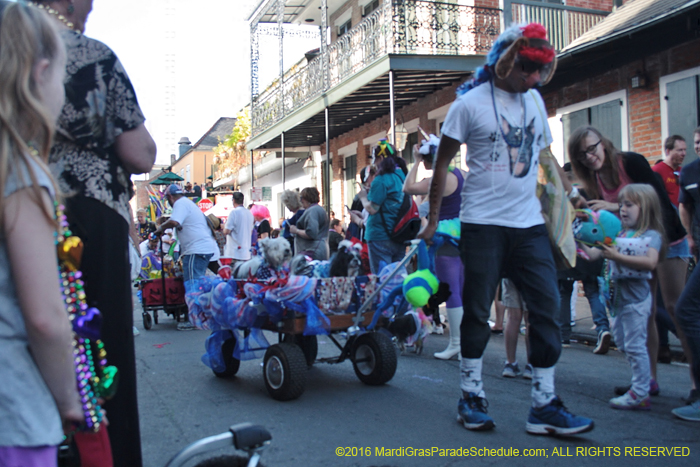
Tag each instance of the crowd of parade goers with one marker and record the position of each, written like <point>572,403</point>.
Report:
<point>491,216</point>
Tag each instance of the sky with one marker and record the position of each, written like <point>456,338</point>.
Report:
<point>189,61</point>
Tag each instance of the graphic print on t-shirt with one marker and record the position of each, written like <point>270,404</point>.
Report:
<point>519,146</point>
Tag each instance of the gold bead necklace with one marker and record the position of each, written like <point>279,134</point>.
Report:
<point>54,13</point>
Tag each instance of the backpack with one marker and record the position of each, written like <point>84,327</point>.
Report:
<point>407,221</point>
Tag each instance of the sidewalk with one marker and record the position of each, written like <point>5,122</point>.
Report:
<point>584,332</point>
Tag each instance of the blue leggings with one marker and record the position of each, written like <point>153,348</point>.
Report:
<point>450,270</point>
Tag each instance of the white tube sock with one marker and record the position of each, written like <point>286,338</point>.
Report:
<point>470,376</point>
<point>542,386</point>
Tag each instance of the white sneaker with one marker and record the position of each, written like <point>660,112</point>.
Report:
<point>527,374</point>
<point>511,370</point>
<point>136,331</point>
<point>631,401</point>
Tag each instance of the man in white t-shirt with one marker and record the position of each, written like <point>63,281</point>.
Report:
<point>503,123</point>
<point>238,230</point>
<point>197,244</point>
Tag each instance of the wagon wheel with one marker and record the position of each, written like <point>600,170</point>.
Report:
<point>284,371</point>
<point>147,321</point>
<point>308,344</point>
<point>155,316</point>
<point>374,358</point>
<point>232,363</point>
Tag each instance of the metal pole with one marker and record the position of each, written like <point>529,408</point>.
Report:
<point>252,175</point>
<point>280,31</point>
<point>327,188</point>
<point>391,108</point>
<point>284,174</point>
<point>324,45</point>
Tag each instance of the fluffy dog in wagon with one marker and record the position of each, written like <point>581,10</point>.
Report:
<point>274,252</point>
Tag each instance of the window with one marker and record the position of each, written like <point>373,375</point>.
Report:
<point>345,27</point>
<point>411,140</point>
<point>606,113</point>
<point>605,117</point>
<point>370,7</point>
<point>350,179</point>
<point>680,107</point>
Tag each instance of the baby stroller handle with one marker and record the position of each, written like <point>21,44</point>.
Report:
<point>244,436</point>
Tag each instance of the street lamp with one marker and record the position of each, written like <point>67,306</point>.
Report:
<point>310,168</point>
<point>401,136</point>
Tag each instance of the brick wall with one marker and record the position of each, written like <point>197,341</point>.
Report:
<point>643,104</point>
<point>605,5</point>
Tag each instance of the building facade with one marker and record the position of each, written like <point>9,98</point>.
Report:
<point>387,70</point>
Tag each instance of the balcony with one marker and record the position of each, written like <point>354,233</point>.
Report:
<point>564,23</point>
<point>411,27</point>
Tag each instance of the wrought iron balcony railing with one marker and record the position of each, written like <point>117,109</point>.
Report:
<point>564,23</point>
<point>409,27</point>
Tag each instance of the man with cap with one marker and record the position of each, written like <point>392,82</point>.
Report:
<point>197,244</point>
<point>503,121</point>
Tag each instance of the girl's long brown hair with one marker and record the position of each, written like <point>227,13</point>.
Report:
<point>583,173</point>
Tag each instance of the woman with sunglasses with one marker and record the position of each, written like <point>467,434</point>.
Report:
<point>604,171</point>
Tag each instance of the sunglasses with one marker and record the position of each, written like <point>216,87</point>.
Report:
<point>528,67</point>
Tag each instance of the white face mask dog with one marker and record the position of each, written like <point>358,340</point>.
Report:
<point>346,262</point>
<point>274,252</point>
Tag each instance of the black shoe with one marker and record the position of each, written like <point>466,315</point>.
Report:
<point>664,354</point>
<point>603,344</point>
<point>692,396</point>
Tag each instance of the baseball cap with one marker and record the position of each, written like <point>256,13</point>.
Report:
<point>175,190</point>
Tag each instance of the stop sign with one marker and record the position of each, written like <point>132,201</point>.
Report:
<point>205,205</point>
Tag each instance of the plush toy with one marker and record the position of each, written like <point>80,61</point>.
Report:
<point>422,284</point>
<point>599,227</point>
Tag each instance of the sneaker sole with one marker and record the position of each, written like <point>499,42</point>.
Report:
<point>604,345</point>
<point>687,419</point>
<point>510,375</point>
<point>544,429</point>
<point>487,425</point>
<point>630,407</point>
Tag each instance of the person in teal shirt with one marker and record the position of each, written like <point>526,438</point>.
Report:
<point>382,203</point>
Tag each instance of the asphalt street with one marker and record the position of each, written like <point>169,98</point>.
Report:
<point>410,421</point>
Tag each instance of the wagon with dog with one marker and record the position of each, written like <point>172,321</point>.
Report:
<point>298,300</point>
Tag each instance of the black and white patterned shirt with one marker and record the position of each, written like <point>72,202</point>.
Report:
<point>100,105</point>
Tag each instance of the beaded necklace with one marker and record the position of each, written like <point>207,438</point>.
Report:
<point>55,14</point>
<point>94,377</point>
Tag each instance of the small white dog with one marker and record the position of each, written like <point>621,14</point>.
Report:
<point>274,252</point>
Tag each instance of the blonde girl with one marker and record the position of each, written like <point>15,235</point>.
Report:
<point>38,389</point>
<point>631,264</point>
